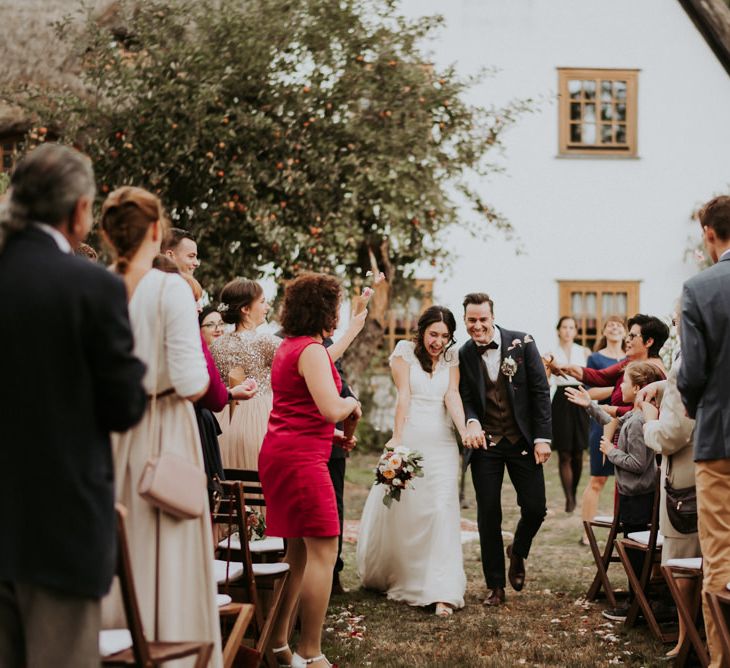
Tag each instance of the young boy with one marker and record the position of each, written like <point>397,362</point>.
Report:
<point>634,463</point>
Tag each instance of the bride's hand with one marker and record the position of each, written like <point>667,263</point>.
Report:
<point>475,437</point>
<point>392,443</point>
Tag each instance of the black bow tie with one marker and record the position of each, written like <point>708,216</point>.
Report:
<point>492,345</point>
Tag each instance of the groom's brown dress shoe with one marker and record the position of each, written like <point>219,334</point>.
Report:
<point>495,597</point>
<point>516,573</point>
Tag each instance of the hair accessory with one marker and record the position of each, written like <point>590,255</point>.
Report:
<point>222,308</point>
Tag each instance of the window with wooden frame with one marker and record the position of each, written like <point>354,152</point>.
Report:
<point>401,319</point>
<point>589,303</point>
<point>8,150</point>
<point>597,112</point>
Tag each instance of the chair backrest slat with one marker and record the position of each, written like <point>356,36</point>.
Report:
<point>140,647</point>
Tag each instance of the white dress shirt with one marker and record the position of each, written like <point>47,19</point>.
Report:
<point>61,241</point>
<point>493,356</point>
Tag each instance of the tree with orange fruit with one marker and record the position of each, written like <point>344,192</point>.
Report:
<point>285,135</point>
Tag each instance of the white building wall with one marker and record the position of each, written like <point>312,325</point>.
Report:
<point>586,218</point>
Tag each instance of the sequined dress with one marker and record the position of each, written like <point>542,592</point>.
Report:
<point>244,423</point>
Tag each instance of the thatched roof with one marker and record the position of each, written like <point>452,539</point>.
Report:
<point>712,18</point>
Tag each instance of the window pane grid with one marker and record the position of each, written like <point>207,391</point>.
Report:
<point>591,302</point>
<point>596,111</point>
<point>597,121</point>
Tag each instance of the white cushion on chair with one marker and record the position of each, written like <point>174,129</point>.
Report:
<point>270,569</point>
<point>266,544</point>
<point>233,541</point>
<point>222,599</point>
<point>643,538</point>
<point>256,546</point>
<point>692,563</point>
<point>112,641</point>
<point>235,570</point>
<point>607,519</point>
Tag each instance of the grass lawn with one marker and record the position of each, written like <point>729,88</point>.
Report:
<point>547,624</point>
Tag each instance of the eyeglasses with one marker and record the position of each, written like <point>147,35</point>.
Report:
<point>215,325</point>
<point>631,336</point>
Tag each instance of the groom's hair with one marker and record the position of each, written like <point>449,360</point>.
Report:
<point>478,298</point>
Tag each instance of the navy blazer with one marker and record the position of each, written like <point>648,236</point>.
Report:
<point>529,391</point>
<point>68,378</point>
<point>704,377</point>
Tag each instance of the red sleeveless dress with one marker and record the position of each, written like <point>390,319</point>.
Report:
<point>300,498</point>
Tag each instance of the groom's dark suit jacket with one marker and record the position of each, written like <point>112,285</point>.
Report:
<point>69,378</point>
<point>529,392</point>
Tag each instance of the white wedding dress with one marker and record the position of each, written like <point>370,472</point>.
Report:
<point>412,550</point>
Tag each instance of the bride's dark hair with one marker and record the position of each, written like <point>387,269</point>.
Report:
<point>431,315</point>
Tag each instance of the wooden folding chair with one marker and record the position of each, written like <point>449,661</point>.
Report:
<point>602,559</point>
<point>690,615</point>
<point>650,543</point>
<point>269,548</point>
<point>145,653</point>
<point>238,616</point>
<point>242,579</point>
<point>719,604</point>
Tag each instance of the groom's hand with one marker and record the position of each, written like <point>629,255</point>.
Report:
<point>542,452</point>
<point>474,435</point>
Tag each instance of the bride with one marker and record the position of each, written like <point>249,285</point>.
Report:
<point>412,550</point>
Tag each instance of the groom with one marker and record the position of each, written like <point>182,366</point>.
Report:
<point>507,405</point>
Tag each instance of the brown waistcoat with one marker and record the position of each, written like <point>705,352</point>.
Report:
<point>498,421</point>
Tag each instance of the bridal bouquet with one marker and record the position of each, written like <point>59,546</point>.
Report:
<point>396,468</point>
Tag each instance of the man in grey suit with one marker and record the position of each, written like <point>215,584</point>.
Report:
<point>704,382</point>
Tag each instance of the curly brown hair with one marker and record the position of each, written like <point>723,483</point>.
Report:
<point>311,305</point>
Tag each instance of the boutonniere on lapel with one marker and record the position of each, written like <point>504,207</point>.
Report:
<point>509,367</point>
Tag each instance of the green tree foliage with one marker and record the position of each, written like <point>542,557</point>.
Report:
<point>285,134</point>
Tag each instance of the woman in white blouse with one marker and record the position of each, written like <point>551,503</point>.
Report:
<point>570,422</point>
<point>172,559</point>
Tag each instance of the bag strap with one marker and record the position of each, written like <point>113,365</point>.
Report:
<point>669,467</point>
<point>151,434</point>
<point>156,369</point>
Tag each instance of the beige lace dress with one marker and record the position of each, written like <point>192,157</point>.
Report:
<point>243,423</point>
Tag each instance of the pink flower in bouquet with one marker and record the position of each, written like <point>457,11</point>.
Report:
<point>367,293</point>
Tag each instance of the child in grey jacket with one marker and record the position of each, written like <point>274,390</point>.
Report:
<point>634,462</point>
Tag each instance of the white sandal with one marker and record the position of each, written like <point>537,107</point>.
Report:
<point>300,662</point>
<point>444,610</point>
<point>281,650</point>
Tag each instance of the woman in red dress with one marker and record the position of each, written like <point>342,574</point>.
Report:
<point>300,498</point>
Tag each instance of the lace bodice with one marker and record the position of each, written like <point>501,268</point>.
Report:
<point>426,387</point>
<point>249,350</point>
